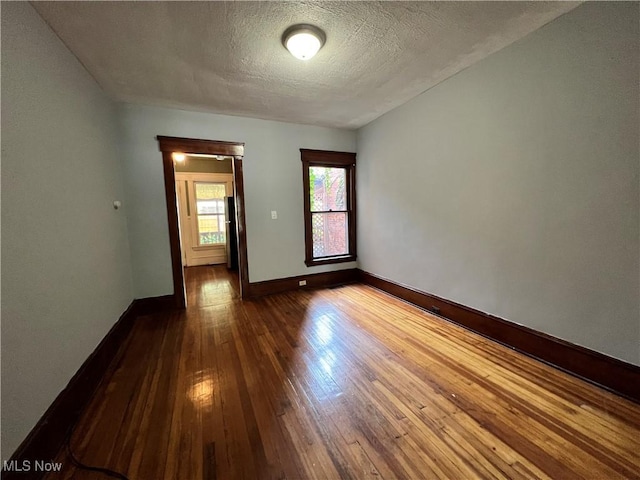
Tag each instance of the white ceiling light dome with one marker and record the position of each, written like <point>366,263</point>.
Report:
<point>303,40</point>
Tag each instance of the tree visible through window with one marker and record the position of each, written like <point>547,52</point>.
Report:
<point>329,179</point>
<point>329,222</point>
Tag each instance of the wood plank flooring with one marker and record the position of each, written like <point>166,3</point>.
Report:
<point>340,383</point>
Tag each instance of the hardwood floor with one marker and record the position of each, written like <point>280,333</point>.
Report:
<point>340,383</point>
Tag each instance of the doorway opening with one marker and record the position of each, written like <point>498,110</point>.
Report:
<point>205,212</point>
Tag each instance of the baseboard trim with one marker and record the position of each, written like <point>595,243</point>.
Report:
<point>149,305</point>
<point>610,373</point>
<point>47,437</point>
<point>315,280</point>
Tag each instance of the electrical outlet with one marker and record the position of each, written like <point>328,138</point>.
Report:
<point>274,215</point>
<point>302,283</point>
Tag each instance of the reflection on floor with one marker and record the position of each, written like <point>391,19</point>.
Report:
<point>340,383</point>
<point>210,285</point>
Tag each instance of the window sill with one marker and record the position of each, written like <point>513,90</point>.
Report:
<point>214,246</point>
<point>330,260</point>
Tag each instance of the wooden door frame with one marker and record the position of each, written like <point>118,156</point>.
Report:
<point>169,145</point>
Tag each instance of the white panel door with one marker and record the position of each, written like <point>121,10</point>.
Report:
<point>202,198</point>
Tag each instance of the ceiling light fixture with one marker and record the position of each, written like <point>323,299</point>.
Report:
<point>178,157</point>
<point>303,41</point>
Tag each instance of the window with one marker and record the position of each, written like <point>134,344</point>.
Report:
<point>329,206</point>
<point>210,198</point>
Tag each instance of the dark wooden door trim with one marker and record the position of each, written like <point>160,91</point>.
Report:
<point>169,145</point>
<point>241,226</point>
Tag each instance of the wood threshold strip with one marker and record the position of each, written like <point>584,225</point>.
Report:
<point>48,435</point>
<point>607,372</point>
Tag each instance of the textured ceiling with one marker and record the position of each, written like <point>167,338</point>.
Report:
<point>227,57</point>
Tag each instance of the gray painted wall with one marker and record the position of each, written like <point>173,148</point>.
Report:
<point>272,181</point>
<point>66,275</point>
<point>512,187</point>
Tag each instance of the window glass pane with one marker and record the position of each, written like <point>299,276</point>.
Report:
<point>209,191</point>
<point>330,236</point>
<point>210,206</point>
<point>327,188</point>
<point>211,229</point>
<point>210,198</point>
